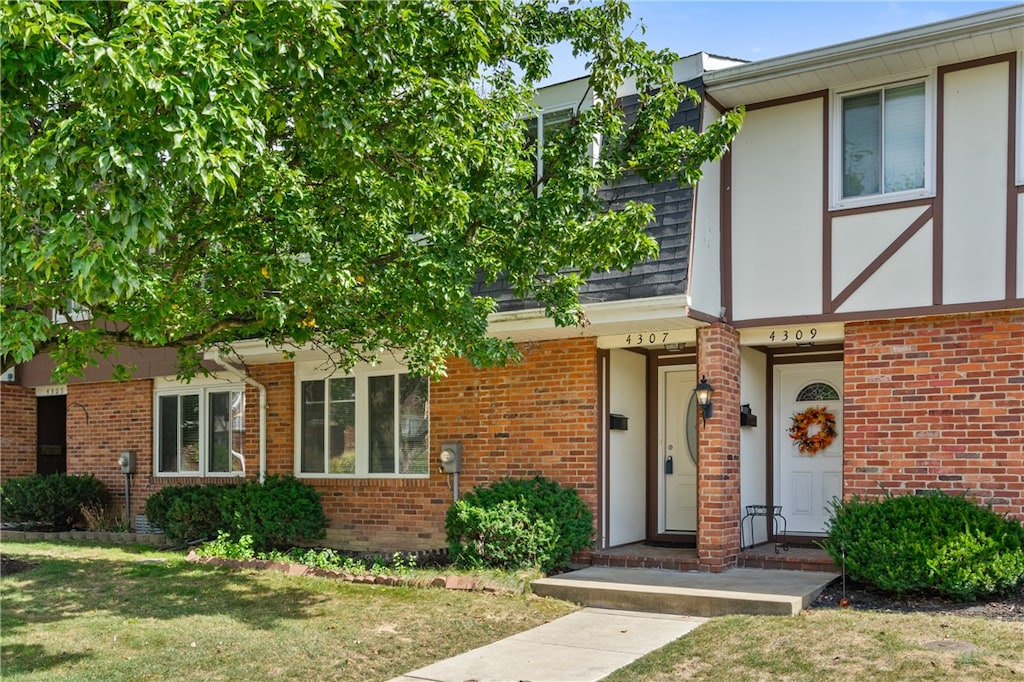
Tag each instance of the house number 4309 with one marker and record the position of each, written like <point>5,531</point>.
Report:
<point>793,334</point>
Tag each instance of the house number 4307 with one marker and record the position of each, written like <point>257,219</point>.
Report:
<point>793,334</point>
<point>646,338</point>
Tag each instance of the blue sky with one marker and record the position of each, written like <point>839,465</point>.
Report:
<point>759,30</point>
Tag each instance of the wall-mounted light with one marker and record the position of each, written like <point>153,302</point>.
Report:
<point>704,391</point>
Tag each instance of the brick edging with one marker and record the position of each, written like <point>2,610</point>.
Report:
<point>153,539</point>
<point>451,582</point>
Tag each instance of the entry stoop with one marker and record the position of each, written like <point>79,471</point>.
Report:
<point>738,591</point>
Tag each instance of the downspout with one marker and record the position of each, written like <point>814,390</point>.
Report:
<point>249,381</point>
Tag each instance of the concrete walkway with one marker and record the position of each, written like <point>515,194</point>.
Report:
<point>582,647</point>
<point>629,613</point>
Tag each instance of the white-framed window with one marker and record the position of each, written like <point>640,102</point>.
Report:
<point>73,312</point>
<point>541,127</point>
<point>883,144</point>
<point>370,424</point>
<point>199,430</point>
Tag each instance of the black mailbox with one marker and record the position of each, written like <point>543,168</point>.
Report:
<point>618,422</point>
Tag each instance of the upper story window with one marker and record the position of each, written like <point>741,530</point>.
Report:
<point>200,430</point>
<point>72,313</point>
<point>363,425</point>
<point>884,145</point>
<point>540,128</point>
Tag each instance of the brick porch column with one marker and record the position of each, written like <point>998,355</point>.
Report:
<point>718,468</point>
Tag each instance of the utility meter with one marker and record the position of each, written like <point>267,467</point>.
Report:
<point>127,462</point>
<point>451,458</point>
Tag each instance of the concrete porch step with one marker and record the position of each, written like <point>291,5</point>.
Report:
<point>737,591</point>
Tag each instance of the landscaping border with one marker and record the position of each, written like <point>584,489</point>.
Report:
<point>153,539</point>
<point>450,582</point>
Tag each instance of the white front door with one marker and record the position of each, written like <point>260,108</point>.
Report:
<point>677,448</point>
<point>806,483</point>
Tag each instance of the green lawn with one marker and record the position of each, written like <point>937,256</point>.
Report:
<point>100,613</point>
<point>833,644</point>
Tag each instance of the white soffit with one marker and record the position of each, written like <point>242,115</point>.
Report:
<point>975,36</point>
<point>665,317</point>
<point>616,318</point>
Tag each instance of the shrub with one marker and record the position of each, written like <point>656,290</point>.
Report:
<point>933,542</point>
<point>280,512</point>
<point>53,501</point>
<point>518,523</point>
<point>187,513</point>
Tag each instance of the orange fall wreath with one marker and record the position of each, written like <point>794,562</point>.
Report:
<point>800,431</point>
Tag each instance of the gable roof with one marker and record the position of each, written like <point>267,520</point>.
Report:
<point>975,36</point>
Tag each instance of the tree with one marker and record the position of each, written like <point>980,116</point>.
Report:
<point>189,174</point>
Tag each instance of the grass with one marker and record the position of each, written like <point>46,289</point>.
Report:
<point>96,613</point>
<point>831,644</point>
<point>89,612</point>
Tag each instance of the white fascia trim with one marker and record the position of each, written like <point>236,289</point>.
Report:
<point>634,310</point>
<point>257,351</point>
<point>875,46</point>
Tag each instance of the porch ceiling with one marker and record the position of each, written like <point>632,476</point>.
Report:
<point>666,313</point>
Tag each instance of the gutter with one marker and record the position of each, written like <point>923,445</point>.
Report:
<point>249,381</point>
<point>913,38</point>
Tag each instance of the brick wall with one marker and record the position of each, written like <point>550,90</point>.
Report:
<point>936,403</point>
<point>106,418</point>
<point>17,431</point>
<point>534,418</point>
<point>718,476</point>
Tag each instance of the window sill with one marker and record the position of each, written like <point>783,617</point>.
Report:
<point>880,200</point>
<point>363,477</point>
<point>196,474</point>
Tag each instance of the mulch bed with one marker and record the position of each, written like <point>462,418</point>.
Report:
<point>861,597</point>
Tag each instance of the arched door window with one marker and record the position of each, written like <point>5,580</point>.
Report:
<point>818,391</point>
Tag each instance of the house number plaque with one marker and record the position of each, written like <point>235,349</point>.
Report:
<point>646,338</point>
<point>799,334</point>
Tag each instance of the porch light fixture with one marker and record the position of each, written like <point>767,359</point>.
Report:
<point>704,391</point>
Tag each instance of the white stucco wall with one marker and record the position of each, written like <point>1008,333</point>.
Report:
<point>705,281</point>
<point>753,441</point>
<point>976,107</point>
<point>777,212</point>
<point>1020,246</point>
<point>626,476</point>
<point>905,280</point>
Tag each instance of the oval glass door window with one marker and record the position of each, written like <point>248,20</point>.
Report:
<point>691,427</point>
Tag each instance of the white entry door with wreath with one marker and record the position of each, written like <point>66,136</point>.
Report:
<point>806,482</point>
